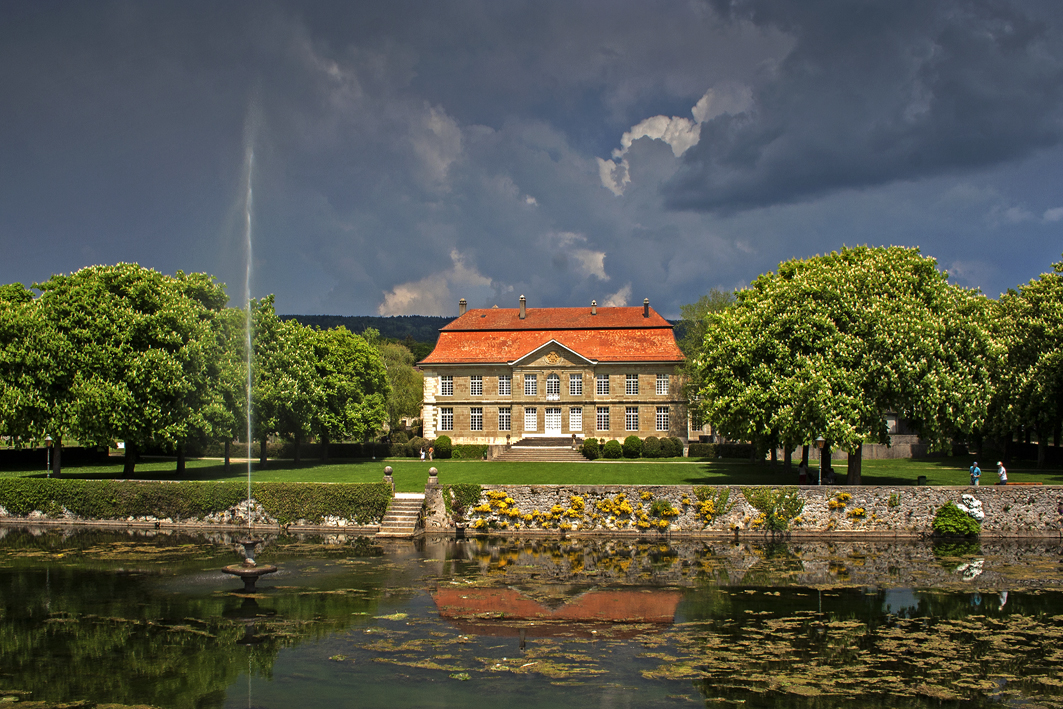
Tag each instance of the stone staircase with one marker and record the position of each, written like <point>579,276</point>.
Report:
<point>401,518</point>
<point>542,450</point>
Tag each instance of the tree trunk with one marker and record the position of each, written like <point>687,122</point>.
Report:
<point>262,455</point>
<point>753,453</point>
<point>181,459</point>
<point>824,462</point>
<point>774,455</point>
<point>1026,435</point>
<point>787,456</point>
<point>1007,449</point>
<point>1058,433</point>
<point>324,449</point>
<point>228,461</point>
<point>856,460</point>
<point>1042,449</point>
<point>804,456</point>
<point>130,459</point>
<point>57,459</point>
<point>298,449</point>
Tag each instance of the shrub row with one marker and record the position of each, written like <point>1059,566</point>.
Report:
<point>364,503</point>
<point>702,450</point>
<point>633,447</point>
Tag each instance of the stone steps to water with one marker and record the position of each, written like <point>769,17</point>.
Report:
<point>401,518</point>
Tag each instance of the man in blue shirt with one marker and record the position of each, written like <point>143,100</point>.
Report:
<point>976,473</point>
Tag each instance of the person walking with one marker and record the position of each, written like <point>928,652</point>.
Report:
<point>976,473</point>
<point>1002,473</point>
<point>431,452</point>
<point>422,454</point>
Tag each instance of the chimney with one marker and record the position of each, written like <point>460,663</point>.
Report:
<point>462,305</point>
<point>523,307</point>
<point>594,307</point>
<point>645,307</point>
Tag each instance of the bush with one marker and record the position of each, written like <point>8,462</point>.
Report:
<point>702,450</point>
<point>443,447</point>
<point>399,438</point>
<point>652,448</point>
<point>469,451</point>
<point>364,503</point>
<point>632,447</point>
<point>734,450</point>
<point>950,520</point>
<point>591,450</point>
<point>667,448</point>
<point>458,499</point>
<point>612,450</point>
<point>677,444</point>
<point>413,448</point>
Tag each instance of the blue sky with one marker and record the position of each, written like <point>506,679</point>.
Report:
<point>408,154</point>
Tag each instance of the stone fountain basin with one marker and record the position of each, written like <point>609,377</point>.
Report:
<point>249,574</point>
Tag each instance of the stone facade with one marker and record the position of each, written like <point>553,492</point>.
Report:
<point>857,511</point>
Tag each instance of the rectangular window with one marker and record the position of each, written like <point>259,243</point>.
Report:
<point>446,385</point>
<point>575,419</point>
<point>530,419</point>
<point>531,385</point>
<point>575,384</point>
<point>631,418</point>
<point>446,419</point>
<point>662,384</point>
<point>601,384</point>
<point>503,418</point>
<point>662,418</point>
<point>476,385</point>
<point>631,385</point>
<point>553,387</point>
<point>476,418</point>
<point>505,382</point>
<point>602,418</point>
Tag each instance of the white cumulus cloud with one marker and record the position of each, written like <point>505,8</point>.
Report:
<point>436,294</point>
<point>678,132</point>
<point>618,299</point>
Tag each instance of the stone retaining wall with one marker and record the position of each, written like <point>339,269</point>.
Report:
<point>905,511</point>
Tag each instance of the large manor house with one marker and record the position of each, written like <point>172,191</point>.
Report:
<point>500,375</point>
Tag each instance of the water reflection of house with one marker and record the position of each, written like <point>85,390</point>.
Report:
<point>508,611</point>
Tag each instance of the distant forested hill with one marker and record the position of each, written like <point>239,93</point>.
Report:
<point>422,328</point>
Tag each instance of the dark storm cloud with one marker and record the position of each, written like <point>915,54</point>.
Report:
<point>877,91</point>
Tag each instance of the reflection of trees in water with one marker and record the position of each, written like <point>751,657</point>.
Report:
<point>92,616</point>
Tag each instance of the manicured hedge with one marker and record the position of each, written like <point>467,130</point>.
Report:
<point>702,450</point>
<point>591,449</point>
<point>734,450</point>
<point>468,451</point>
<point>364,503</point>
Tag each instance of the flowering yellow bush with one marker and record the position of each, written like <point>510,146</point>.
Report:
<point>856,513</point>
<point>646,495</point>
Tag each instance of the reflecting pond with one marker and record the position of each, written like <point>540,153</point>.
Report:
<point>131,619</point>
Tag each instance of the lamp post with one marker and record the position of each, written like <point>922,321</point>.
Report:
<point>48,447</point>
<point>820,442</point>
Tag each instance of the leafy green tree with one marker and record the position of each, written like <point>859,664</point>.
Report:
<point>19,368</point>
<point>355,386</point>
<point>406,384</point>
<point>829,345</point>
<point>120,353</point>
<point>692,327</point>
<point>287,389</point>
<point>1029,392</point>
<point>226,408</point>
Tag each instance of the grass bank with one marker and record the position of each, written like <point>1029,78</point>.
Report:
<point>411,474</point>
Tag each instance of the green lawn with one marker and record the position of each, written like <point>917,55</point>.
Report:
<point>411,474</point>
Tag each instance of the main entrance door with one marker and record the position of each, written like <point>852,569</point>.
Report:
<point>553,421</point>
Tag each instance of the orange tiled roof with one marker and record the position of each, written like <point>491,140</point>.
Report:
<point>556,319</point>
<point>613,335</point>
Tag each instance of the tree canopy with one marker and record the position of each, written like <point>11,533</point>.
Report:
<point>829,345</point>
